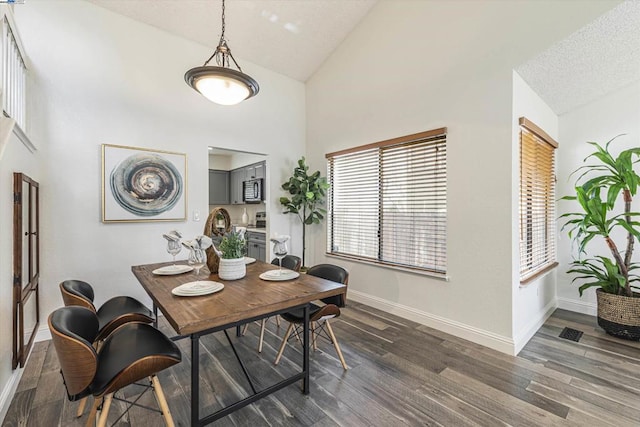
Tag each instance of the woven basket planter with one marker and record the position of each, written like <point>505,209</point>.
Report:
<point>619,315</point>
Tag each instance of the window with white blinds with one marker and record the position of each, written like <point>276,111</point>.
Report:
<point>388,202</point>
<point>537,201</point>
<point>14,76</point>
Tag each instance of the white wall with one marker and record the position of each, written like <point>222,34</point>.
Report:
<point>413,66</point>
<point>535,301</point>
<point>102,78</point>
<point>16,158</point>
<point>599,121</point>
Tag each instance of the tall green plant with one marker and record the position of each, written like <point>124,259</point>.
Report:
<point>613,176</point>
<point>306,196</point>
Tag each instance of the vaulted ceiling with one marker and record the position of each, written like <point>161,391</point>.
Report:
<point>294,37</point>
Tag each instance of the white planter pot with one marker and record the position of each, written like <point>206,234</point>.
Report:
<point>232,269</point>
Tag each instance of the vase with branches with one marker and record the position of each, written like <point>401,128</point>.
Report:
<point>306,197</point>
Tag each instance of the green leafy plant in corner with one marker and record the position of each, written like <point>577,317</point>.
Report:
<point>232,246</point>
<point>306,196</point>
<point>610,177</point>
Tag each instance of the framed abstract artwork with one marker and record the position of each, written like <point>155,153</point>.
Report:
<point>139,184</point>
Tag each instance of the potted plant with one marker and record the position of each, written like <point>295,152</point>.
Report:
<point>597,191</point>
<point>306,196</point>
<point>231,253</point>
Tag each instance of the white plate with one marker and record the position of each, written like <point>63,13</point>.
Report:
<point>275,276</point>
<point>170,270</point>
<point>194,289</point>
<point>249,260</point>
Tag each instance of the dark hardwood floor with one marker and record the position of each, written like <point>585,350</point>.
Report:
<point>401,374</point>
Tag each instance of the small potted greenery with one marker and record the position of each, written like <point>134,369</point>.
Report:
<point>597,190</point>
<point>231,253</point>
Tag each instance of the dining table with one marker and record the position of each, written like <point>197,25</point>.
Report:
<point>240,301</point>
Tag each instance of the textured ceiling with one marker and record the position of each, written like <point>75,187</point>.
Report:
<point>292,37</point>
<point>595,60</point>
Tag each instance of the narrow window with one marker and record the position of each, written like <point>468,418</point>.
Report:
<point>537,201</point>
<point>14,74</point>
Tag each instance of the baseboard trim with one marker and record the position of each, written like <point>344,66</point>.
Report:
<point>589,308</point>
<point>476,335</point>
<point>9,391</point>
<point>43,334</point>
<point>522,338</point>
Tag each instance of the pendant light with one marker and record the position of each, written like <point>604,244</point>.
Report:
<point>222,84</point>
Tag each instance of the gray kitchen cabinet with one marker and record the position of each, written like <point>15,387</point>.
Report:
<point>255,171</point>
<point>218,187</point>
<point>256,245</point>
<point>236,178</point>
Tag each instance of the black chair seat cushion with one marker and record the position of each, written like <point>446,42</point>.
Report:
<point>315,313</point>
<point>131,353</point>
<point>120,310</point>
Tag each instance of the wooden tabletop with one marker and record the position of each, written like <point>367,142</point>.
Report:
<point>239,300</point>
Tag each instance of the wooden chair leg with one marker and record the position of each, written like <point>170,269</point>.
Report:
<point>102,421</point>
<point>91,421</point>
<point>284,343</point>
<point>263,325</point>
<point>162,402</point>
<point>244,328</point>
<point>314,336</point>
<point>278,321</point>
<point>81,406</point>
<point>336,345</point>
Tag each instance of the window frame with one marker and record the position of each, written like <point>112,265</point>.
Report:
<point>435,136</point>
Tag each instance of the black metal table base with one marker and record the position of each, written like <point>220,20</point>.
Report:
<point>195,370</point>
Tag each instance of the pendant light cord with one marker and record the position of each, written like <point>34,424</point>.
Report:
<point>223,52</point>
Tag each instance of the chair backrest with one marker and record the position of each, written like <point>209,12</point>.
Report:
<point>334,273</point>
<point>73,329</point>
<point>291,262</point>
<point>77,292</point>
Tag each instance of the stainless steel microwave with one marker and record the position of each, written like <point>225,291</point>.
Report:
<point>252,191</point>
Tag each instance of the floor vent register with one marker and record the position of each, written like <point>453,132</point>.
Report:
<point>571,334</point>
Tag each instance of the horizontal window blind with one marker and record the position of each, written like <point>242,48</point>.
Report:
<point>387,202</point>
<point>14,77</point>
<point>537,200</point>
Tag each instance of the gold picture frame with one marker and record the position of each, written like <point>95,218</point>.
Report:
<point>143,185</point>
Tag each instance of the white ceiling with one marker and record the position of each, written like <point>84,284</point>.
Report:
<point>291,37</point>
<point>599,58</point>
<point>294,37</point>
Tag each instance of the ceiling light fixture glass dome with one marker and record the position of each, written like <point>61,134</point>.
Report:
<point>222,84</point>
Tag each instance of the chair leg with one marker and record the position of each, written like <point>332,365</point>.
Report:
<point>284,343</point>
<point>278,321</point>
<point>162,402</point>
<point>244,328</point>
<point>81,406</point>
<point>314,336</point>
<point>91,421</point>
<point>102,422</point>
<point>336,345</point>
<point>263,324</point>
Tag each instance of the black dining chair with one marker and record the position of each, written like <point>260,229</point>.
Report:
<point>113,313</point>
<point>319,316</point>
<point>132,352</point>
<point>290,262</point>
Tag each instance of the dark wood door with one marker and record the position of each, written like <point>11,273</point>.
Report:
<point>26,265</point>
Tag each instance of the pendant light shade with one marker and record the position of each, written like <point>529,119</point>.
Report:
<point>222,84</point>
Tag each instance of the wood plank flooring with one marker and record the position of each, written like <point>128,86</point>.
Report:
<point>401,374</point>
